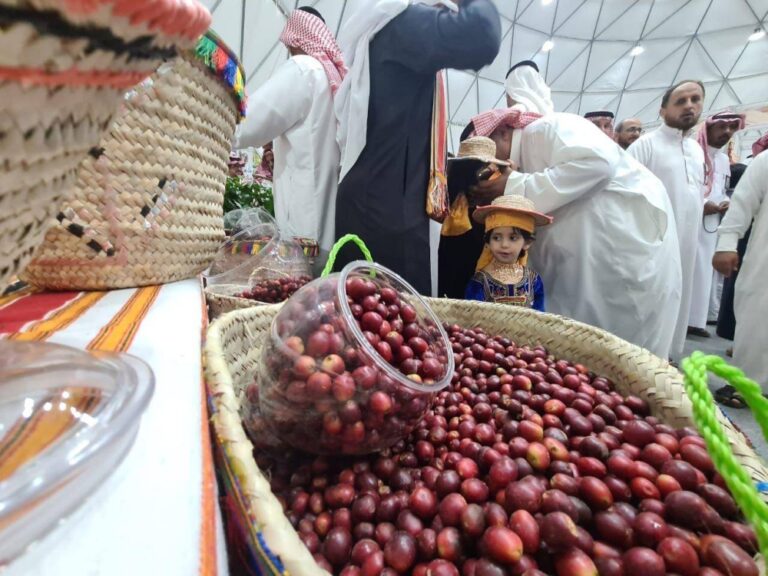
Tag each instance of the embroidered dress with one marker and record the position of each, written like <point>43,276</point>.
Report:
<point>528,292</point>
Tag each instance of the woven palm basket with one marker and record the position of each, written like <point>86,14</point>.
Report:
<point>64,67</point>
<point>220,303</point>
<point>268,541</point>
<point>147,207</point>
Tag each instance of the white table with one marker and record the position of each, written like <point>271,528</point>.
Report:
<point>158,512</point>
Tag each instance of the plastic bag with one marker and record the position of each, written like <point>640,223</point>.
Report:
<point>258,263</point>
<point>244,218</point>
<point>280,269</point>
<point>231,263</point>
<point>231,218</point>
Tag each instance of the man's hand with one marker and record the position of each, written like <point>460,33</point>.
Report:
<point>484,192</point>
<point>711,208</point>
<point>726,262</point>
<point>723,206</point>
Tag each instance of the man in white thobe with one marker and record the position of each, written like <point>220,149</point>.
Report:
<point>295,109</point>
<point>627,131</point>
<point>749,203</point>
<point>527,90</point>
<point>673,155</point>
<point>713,137</point>
<point>603,119</point>
<point>611,257</point>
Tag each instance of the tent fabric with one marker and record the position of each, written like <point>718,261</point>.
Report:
<point>617,55</point>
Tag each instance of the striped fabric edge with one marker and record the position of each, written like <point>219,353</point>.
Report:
<point>13,296</point>
<point>208,544</point>
<point>24,313</point>
<point>59,320</point>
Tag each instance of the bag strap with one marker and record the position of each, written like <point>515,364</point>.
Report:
<point>340,243</point>
<point>738,480</point>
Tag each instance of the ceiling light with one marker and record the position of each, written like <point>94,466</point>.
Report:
<point>547,46</point>
<point>637,50</point>
<point>546,2</point>
<point>756,35</point>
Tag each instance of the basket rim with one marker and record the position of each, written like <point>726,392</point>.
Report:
<point>229,433</point>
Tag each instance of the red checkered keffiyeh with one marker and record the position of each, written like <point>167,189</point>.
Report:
<point>760,145</point>
<point>487,122</point>
<point>726,117</point>
<point>308,33</point>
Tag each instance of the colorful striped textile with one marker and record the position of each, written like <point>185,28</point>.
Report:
<point>252,247</point>
<point>156,514</point>
<point>437,189</point>
<point>216,55</point>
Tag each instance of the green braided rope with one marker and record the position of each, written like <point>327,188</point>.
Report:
<point>704,414</point>
<point>340,243</point>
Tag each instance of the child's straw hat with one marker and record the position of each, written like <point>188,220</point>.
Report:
<point>512,204</point>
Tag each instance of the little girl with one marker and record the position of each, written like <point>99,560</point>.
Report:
<point>501,274</point>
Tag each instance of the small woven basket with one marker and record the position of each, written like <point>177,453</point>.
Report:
<point>220,303</point>
<point>147,206</point>
<point>267,540</point>
<point>63,68</point>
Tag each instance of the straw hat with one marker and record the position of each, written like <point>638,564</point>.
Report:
<point>512,203</point>
<point>478,148</point>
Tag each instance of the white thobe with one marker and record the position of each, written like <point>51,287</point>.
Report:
<point>294,108</point>
<point>678,161</point>
<point>750,305</point>
<point>611,257</point>
<point>705,277</point>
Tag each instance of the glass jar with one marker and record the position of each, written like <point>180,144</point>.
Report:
<point>352,362</point>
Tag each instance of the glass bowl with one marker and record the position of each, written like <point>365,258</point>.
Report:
<point>67,419</point>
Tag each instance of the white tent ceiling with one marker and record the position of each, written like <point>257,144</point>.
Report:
<point>591,64</point>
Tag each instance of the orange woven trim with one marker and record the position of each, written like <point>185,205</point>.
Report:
<point>72,77</point>
<point>208,551</point>
<point>186,19</point>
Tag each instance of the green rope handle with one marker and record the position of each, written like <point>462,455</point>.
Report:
<point>340,243</point>
<point>742,487</point>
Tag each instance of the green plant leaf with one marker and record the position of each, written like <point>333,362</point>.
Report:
<point>239,194</point>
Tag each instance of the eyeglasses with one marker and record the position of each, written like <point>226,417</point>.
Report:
<point>633,130</point>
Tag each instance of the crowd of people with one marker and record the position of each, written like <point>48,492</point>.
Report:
<point>610,226</point>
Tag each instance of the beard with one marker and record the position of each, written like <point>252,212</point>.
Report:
<point>682,122</point>
<point>628,140</point>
